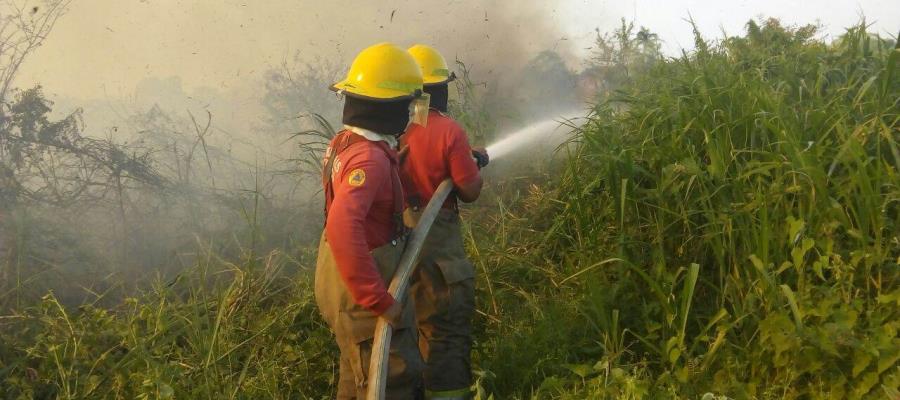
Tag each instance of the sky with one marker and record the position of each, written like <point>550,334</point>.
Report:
<point>105,48</point>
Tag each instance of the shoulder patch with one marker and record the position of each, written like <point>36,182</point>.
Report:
<point>357,177</point>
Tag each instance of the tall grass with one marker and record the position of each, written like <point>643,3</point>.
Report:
<point>218,331</point>
<point>727,223</point>
<point>221,329</point>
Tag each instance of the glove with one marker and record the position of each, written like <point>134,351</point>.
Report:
<point>481,157</point>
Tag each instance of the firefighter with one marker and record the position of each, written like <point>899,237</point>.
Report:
<point>364,233</point>
<point>443,286</point>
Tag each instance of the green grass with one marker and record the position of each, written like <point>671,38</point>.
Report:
<point>218,331</point>
<point>728,223</point>
<point>725,225</point>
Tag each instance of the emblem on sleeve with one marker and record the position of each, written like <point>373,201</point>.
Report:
<point>357,177</point>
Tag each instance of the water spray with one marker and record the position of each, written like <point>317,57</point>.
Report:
<point>543,129</point>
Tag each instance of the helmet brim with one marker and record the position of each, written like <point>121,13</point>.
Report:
<point>378,95</point>
<point>432,80</point>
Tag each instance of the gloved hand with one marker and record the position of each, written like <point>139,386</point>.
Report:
<point>481,157</point>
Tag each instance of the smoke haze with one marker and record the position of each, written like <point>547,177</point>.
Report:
<point>152,70</point>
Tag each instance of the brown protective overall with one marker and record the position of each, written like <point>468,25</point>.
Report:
<point>354,326</point>
<point>443,290</point>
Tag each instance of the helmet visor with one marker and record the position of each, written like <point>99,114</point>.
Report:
<point>418,109</point>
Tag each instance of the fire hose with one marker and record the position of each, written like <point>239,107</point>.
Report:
<point>378,366</point>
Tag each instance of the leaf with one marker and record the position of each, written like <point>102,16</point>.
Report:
<point>792,301</point>
<point>888,358</point>
<point>892,297</point>
<point>582,370</point>
<point>864,385</point>
<point>551,383</point>
<point>795,229</point>
<point>166,391</point>
<point>783,267</point>
<point>674,354</point>
<point>819,265</point>
<point>617,373</point>
<point>708,357</point>
<point>672,349</point>
<point>798,253</point>
<point>757,263</point>
<point>687,296</point>
<point>761,270</point>
<point>861,360</point>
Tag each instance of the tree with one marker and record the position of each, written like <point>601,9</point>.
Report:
<point>617,55</point>
<point>298,91</point>
<point>42,160</point>
<point>23,27</point>
<point>52,162</point>
<point>22,30</point>
<point>301,109</point>
<point>547,85</point>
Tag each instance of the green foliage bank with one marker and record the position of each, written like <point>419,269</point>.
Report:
<point>727,224</point>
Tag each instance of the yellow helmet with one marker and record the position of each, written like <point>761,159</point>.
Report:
<point>383,72</point>
<point>433,64</point>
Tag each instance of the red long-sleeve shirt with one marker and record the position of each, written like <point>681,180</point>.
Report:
<point>437,152</point>
<point>361,217</point>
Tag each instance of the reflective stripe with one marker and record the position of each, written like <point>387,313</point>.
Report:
<point>401,86</point>
<point>441,72</point>
<point>458,394</point>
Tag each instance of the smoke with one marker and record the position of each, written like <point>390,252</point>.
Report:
<point>496,40</point>
<point>516,53</point>
<point>223,58</point>
<point>253,69</point>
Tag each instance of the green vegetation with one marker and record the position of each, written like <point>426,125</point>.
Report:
<point>244,332</point>
<point>727,223</point>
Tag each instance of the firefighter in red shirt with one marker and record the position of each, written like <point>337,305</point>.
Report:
<point>364,233</point>
<point>443,286</point>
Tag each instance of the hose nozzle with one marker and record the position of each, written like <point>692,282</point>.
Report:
<point>481,158</point>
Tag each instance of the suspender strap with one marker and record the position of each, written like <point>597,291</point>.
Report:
<point>342,142</point>
<point>399,227</point>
